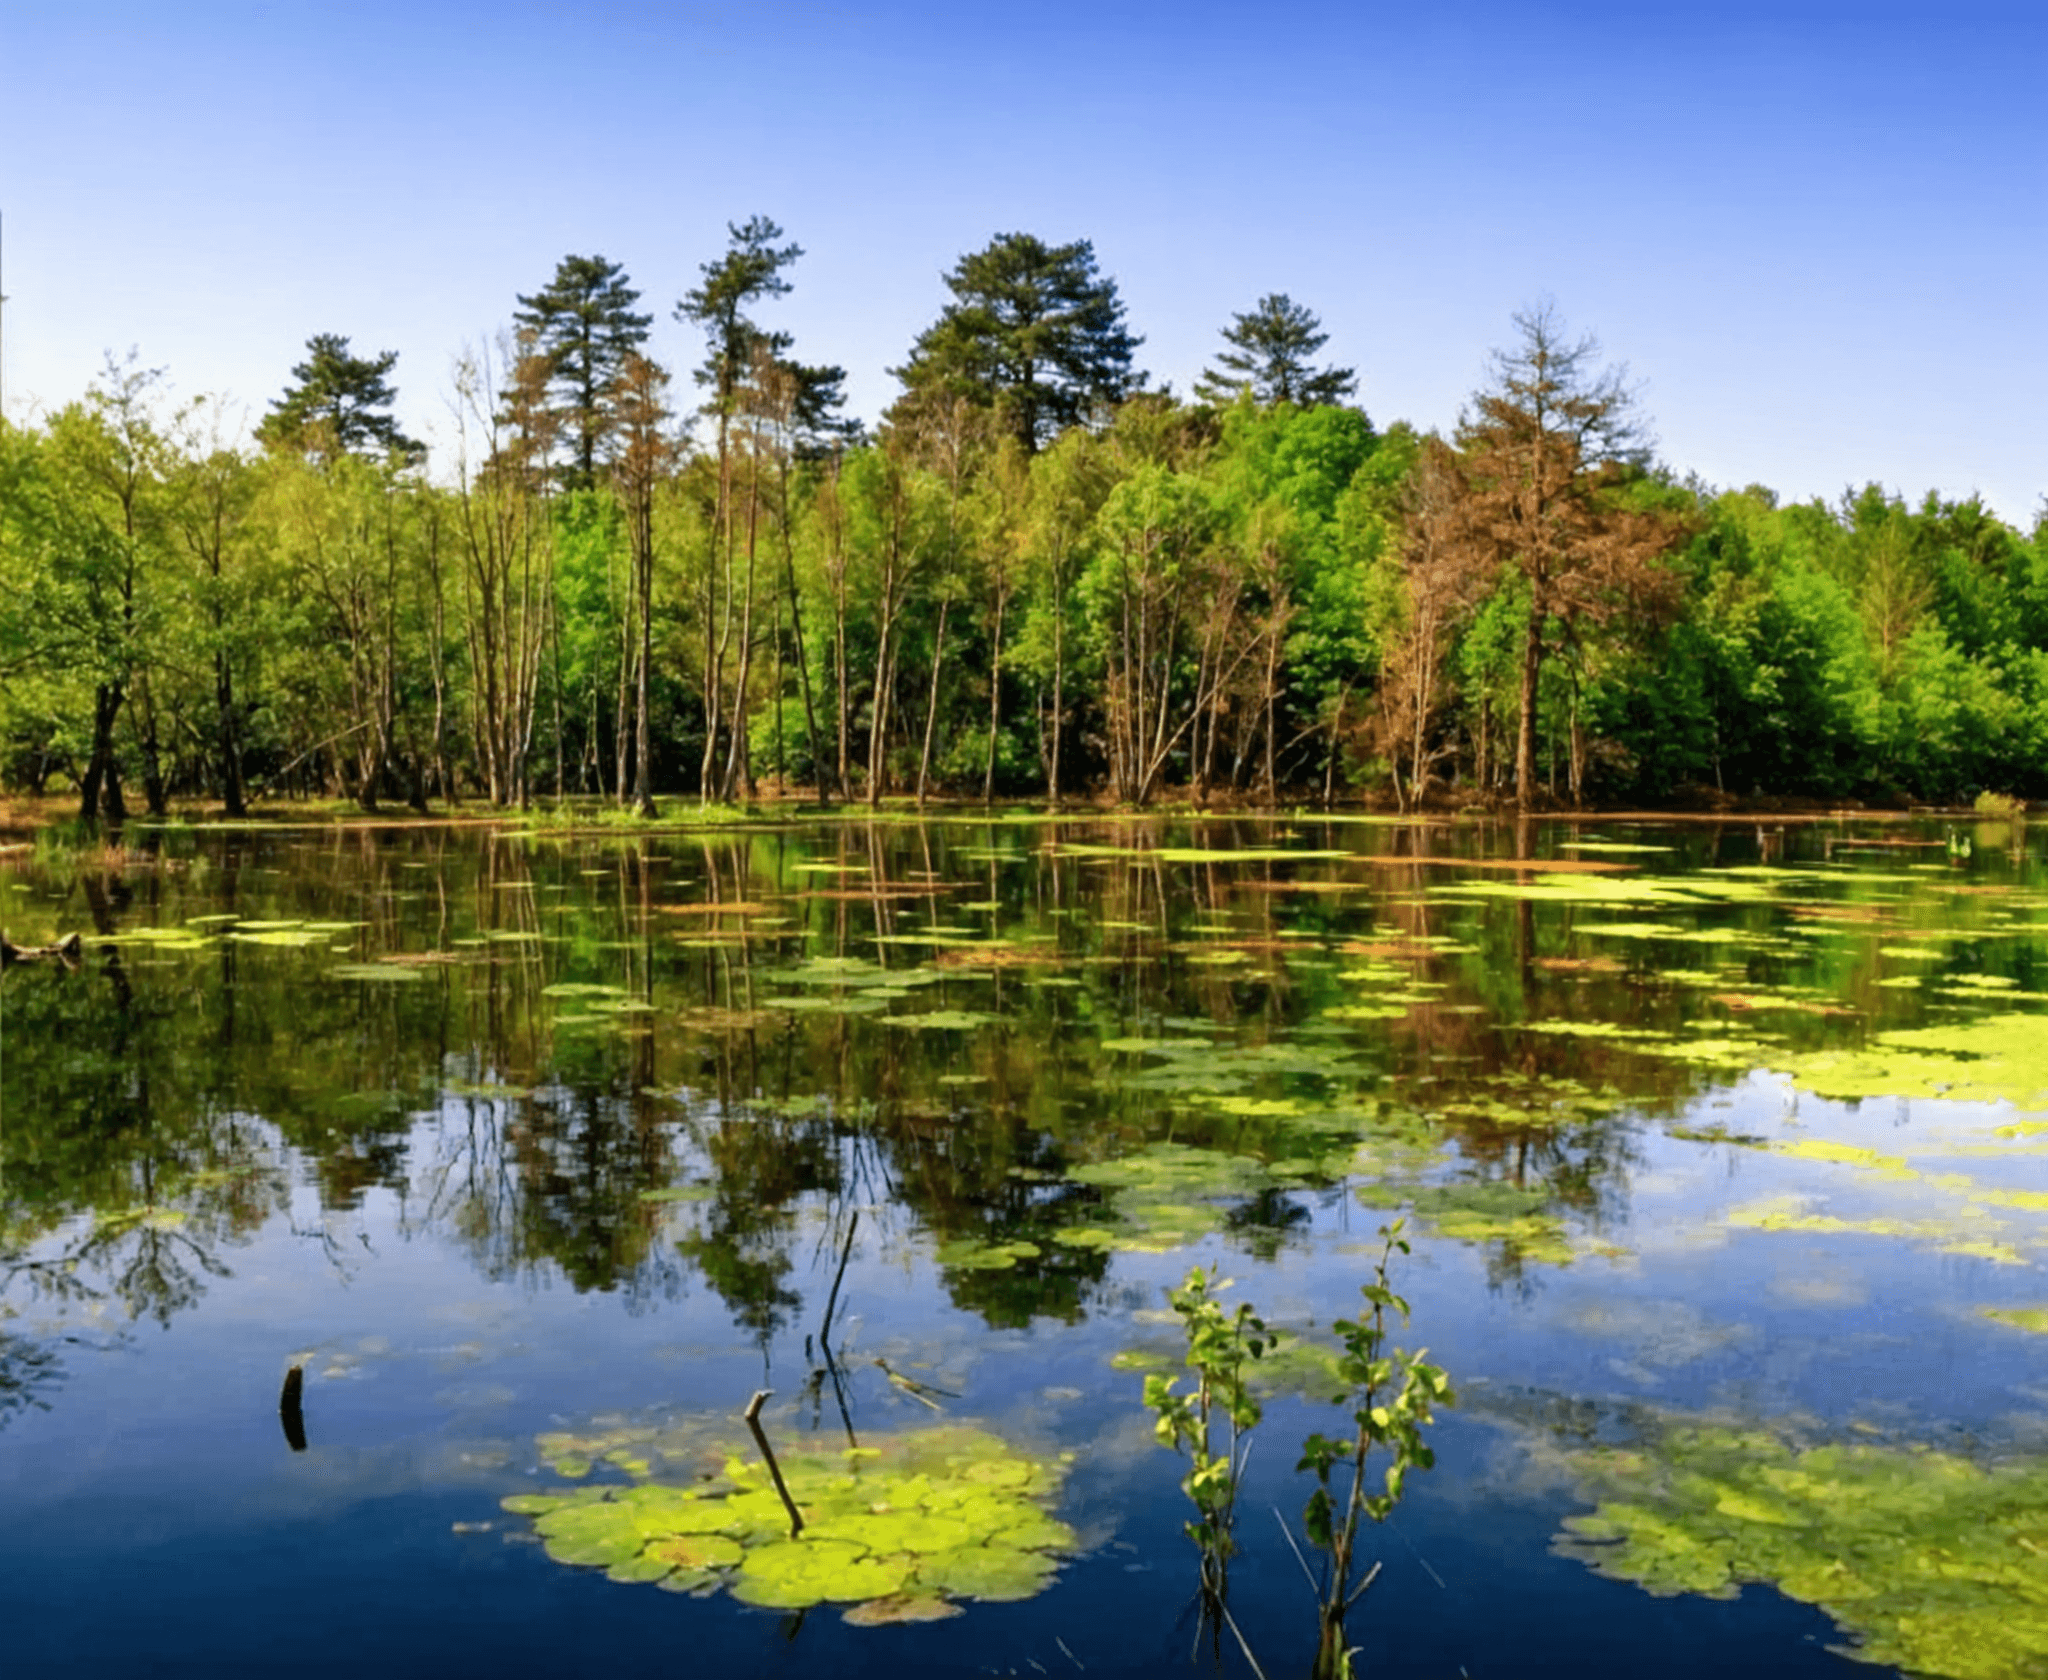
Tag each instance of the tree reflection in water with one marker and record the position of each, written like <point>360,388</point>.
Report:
<point>631,1065</point>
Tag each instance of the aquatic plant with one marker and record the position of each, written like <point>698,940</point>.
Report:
<point>1930,1561</point>
<point>2000,807</point>
<point>1392,1396</point>
<point>1220,1348</point>
<point>898,1528</point>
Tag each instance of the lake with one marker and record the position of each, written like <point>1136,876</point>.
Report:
<point>1722,1149</point>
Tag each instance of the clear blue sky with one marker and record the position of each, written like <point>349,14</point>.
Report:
<point>1818,233</point>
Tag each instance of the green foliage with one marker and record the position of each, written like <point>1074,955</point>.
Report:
<point>900,1527</point>
<point>1929,1559</point>
<point>1392,1396</point>
<point>582,326</point>
<point>1044,579</point>
<point>338,404</point>
<point>1268,359</point>
<point>1035,332</point>
<point>1220,1350</point>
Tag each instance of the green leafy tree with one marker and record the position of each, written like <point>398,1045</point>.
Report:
<point>1270,353</point>
<point>1034,332</point>
<point>213,494</point>
<point>338,403</point>
<point>583,327</point>
<point>1311,499</point>
<point>96,585</point>
<point>1165,615</point>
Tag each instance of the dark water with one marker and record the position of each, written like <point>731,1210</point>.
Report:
<point>498,1134</point>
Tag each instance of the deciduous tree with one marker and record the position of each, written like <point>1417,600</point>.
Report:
<point>1550,445</point>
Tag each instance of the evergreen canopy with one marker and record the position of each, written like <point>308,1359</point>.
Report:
<point>1269,355</point>
<point>338,403</point>
<point>583,326</point>
<point>1035,332</point>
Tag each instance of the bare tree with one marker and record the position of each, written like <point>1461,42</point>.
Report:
<point>1440,579</point>
<point>646,453</point>
<point>1548,444</point>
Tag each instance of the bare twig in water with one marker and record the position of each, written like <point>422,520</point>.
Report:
<point>1230,1622</point>
<point>753,1417</point>
<point>832,1300</point>
<point>1287,1534</point>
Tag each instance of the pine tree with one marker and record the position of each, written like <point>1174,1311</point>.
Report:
<point>583,326</point>
<point>338,403</point>
<point>1269,356</point>
<point>1035,332</point>
<point>750,271</point>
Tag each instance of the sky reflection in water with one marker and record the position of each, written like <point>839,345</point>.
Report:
<point>499,1135</point>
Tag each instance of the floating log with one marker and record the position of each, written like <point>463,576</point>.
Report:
<point>67,950</point>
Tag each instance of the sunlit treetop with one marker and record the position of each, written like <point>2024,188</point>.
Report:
<point>338,403</point>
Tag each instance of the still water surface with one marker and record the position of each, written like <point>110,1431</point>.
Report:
<point>1721,1149</point>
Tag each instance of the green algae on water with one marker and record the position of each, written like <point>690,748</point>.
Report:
<point>900,1526</point>
<point>1931,1562</point>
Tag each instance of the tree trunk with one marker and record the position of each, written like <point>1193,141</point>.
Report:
<point>803,663</point>
<point>931,712</point>
<point>736,761</point>
<point>1525,729</point>
<point>643,739</point>
<point>100,792</point>
<point>995,703</point>
<point>621,709</point>
<point>1059,693</point>
<point>234,790</point>
<point>839,673</point>
<point>143,710</point>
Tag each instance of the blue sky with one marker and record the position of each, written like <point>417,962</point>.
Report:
<point>1817,233</point>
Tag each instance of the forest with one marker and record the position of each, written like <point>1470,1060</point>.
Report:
<point>1040,575</point>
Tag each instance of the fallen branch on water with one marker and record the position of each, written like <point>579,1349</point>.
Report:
<point>67,950</point>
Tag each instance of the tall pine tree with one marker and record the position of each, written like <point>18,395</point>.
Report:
<point>1034,332</point>
<point>338,403</point>
<point>1269,355</point>
<point>583,326</point>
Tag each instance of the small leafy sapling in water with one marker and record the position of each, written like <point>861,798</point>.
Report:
<point>1391,1394</point>
<point>1220,1348</point>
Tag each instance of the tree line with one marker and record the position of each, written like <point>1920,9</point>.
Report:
<point>1039,575</point>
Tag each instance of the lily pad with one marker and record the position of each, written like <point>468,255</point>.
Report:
<point>901,1524</point>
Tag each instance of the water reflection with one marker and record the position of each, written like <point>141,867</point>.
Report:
<point>641,1060</point>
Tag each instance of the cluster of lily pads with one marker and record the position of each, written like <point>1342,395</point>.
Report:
<point>899,1528</point>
